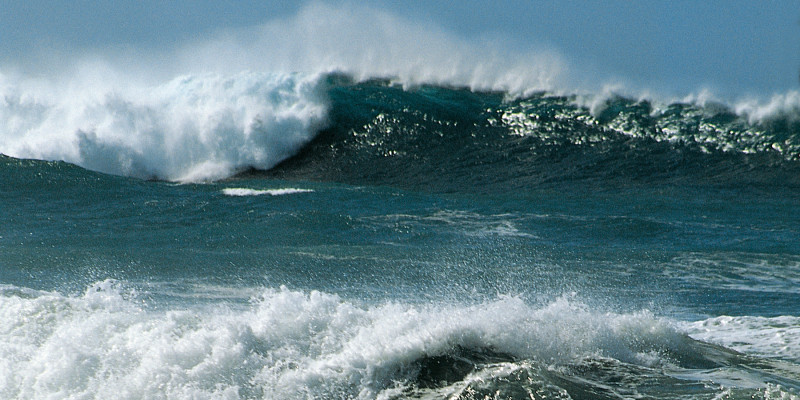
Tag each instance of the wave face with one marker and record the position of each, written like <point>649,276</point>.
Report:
<point>207,127</point>
<point>299,345</point>
<point>451,139</point>
<point>192,128</point>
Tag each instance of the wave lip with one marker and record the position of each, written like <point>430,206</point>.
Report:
<point>192,128</point>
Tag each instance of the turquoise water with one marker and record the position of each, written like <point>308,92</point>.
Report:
<point>420,243</point>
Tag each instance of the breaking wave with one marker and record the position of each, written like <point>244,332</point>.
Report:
<point>192,128</point>
<point>292,344</point>
<point>208,127</point>
<point>448,139</point>
<point>373,84</point>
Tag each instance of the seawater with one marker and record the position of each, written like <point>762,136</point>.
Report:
<point>426,242</point>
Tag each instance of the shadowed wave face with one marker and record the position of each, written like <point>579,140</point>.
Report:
<point>446,139</point>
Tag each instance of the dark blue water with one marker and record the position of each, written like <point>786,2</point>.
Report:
<point>419,243</point>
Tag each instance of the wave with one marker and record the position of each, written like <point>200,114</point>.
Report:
<point>369,84</point>
<point>451,139</point>
<point>292,344</point>
<point>333,127</point>
<point>763,336</point>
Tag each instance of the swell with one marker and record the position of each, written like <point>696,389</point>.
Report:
<point>450,139</point>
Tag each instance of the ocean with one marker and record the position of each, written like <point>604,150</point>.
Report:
<point>326,236</point>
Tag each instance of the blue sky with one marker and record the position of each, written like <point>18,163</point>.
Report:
<point>733,47</point>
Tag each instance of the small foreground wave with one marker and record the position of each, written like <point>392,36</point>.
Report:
<point>297,345</point>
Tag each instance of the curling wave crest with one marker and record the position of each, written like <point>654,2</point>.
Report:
<point>192,128</point>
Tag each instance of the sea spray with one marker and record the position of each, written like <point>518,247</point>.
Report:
<point>192,128</point>
<point>292,344</point>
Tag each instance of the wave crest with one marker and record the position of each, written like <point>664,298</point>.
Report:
<point>293,344</point>
<point>192,128</point>
<point>217,120</point>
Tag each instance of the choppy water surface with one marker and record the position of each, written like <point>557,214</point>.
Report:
<point>362,240</point>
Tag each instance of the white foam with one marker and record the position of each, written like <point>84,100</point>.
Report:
<point>784,104</point>
<point>755,109</point>
<point>287,344</point>
<point>761,336</point>
<point>192,128</point>
<point>255,192</point>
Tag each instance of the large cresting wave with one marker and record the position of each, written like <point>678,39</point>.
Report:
<point>334,127</point>
<point>450,139</point>
<point>415,100</point>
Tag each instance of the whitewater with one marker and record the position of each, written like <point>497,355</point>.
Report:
<point>373,208</point>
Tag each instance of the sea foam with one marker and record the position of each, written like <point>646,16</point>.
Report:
<point>762,336</point>
<point>285,344</point>
<point>192,128</point>
<point>241,192</point>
